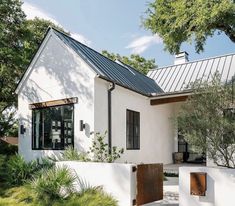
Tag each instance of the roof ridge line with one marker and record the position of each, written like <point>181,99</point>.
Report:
<point>198,60</point>
<point>99,52</point>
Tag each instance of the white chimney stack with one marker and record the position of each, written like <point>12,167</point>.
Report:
<point>181,58</point>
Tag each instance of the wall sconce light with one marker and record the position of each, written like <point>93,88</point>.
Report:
<point>22,129</point>
<point>82,125</point>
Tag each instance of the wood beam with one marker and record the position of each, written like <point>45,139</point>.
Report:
<point>52,103</point>
<point>168,100</point>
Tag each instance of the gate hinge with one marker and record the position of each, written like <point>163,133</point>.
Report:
<point>134,169</point>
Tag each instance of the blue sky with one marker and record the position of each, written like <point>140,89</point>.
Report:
<point>115,25</point>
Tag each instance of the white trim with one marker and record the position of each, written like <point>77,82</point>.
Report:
<point>164,96</point>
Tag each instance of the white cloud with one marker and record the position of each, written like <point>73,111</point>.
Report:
<point>140,44</point>
<point>32,11</point>
<point>81,38</point>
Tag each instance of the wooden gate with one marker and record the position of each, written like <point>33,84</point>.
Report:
<point>149,183</point>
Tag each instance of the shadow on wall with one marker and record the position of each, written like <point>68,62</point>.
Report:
<point>64,66</point>
<point>69,78</point>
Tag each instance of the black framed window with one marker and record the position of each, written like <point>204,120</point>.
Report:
<point>53,127</point>
<point>132,129</point>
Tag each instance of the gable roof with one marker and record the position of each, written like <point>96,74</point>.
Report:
<point>177,78</point>
<point>118,73</point>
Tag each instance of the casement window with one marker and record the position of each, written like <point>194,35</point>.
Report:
<point>132,130</point>
<point>53,127</point>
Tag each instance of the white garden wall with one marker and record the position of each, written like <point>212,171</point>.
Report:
<point>57,72</point>
<point>220,187</point>
<point>157,130</point>
<point>116,179</point>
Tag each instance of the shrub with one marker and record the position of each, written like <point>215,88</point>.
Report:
<point>100,150</point>
<point>18,171</point>
<point>70,154</point>
<point>8,149</point>
<point>53,184</point>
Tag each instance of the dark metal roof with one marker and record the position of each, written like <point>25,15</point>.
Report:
<point>119,73</point>
<point>177,78</point>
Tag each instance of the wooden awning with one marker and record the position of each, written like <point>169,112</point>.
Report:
<point>169,99</point>
<point>52,103</point>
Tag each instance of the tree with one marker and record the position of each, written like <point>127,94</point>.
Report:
<point>35,30</point>
<point>208,124</point>
<point>19,40</point>
<point>136,61</point>
<point>178,21</point>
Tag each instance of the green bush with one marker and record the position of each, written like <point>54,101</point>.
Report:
<point>100,150</point>
<point>3,159</point>
<point>18,171</point>
<point>53,184</point>
<point>8,149</point>
<point>70,154</point>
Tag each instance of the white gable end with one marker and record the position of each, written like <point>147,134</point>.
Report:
<point>55,73</point>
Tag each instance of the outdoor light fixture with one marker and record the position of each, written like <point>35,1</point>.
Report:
<point>22,129</point>
<point>82,125</point>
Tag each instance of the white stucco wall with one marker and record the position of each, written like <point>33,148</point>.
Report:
<point>157,130</point>
<point>58,73</point>
<point>116,179</point>
<point>220,187</point>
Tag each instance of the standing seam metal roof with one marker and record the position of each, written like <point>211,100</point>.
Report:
<point>178,78</point>
<point>123,75</point>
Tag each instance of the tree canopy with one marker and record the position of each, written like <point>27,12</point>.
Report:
<point>136,61</point>
<point>19,40</point>
<point>178,21</point>
<point>207,122</point>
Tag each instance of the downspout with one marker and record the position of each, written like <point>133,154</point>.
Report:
<point>111,88</point>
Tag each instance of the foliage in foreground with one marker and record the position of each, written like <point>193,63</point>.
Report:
<point>208,124</point>
<point>24,196</point>
<point>18,171</point>
<point>181,21</point>
<point>57,186</point>
<point>54,183</point>
<point>28,195</point>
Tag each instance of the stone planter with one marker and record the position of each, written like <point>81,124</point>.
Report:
<point>178,157</point>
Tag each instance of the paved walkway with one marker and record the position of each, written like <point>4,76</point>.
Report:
<point>174,168</point>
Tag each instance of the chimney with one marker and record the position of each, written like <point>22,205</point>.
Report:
<point>181,58</point>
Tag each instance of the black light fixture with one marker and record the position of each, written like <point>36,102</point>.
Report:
<point>82,125</point>
<point>22,129</point>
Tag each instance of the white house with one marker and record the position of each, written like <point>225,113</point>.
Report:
<point>69,92</point>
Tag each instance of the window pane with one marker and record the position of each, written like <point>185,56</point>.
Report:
<point>53,127</point>
<point>133,129</point>
<point>37,128</point>
<point>68,125</point>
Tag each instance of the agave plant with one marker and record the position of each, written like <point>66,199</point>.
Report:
<point>54,183</point>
